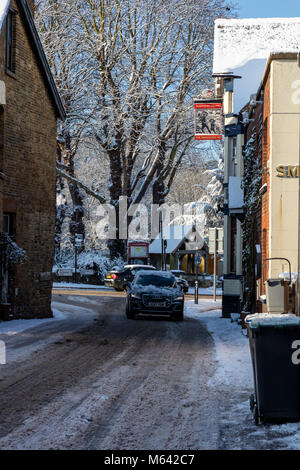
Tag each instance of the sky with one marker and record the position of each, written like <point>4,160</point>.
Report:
<point>268,8</point>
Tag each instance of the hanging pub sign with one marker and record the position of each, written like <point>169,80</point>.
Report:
<point>208,119</point>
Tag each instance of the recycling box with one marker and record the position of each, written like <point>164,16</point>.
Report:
<point>274,341</point>
<point>277,295</point>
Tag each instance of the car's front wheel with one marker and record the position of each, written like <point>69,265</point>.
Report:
<point>129,313</point>
<point>178,316</point>
<point>119,289</point>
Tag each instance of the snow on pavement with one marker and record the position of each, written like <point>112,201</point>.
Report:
<point>14,327</point>
<point>234,380</point>
<point>23,337</point>
<point>232,349</point>
<point>205,290</point>
<point>73,285</point>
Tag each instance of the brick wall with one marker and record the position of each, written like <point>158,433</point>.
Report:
<point>257,126</point>
<point>29,157</point>
<point>261,127</point>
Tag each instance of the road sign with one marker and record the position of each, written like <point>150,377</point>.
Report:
<point>87,272</point>
<point>65,272</point>
<point>78,240</point>
<point>216,246</point>
<point>216,236</point>
<point>199,258</point>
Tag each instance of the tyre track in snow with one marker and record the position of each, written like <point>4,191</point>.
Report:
<point>117,384</point>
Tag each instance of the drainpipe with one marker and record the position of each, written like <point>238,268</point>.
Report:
<point>228,110</point>
<point>239,234</point>
<point>298,283</point>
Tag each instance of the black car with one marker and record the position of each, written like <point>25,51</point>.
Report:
<point>119,279</point>
<point>180,279</point>
<point>155,292</point>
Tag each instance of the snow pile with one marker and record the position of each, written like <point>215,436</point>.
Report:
<point>286,276</point>
<point>76,286</point>
<point>288,319</point>
<point>14,327</point>
<point>242,47</point>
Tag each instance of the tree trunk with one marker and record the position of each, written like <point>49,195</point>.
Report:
<point>76,223</point>
<point>117,247</point>
<point>158,188</point>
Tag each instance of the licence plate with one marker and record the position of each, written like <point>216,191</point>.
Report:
<point>109,276</point>
<point>157,304</point>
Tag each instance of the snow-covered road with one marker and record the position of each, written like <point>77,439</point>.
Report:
<point>90,379</point>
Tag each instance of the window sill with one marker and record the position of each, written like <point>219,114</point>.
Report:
<point>11,74</point>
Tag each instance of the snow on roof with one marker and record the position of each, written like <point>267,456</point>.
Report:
<point>243,46</point>
<point>4,5</point>
<point>174,234</point>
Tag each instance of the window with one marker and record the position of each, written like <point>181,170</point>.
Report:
<point>234,157</point>
<point>9,223</point>
<point>10,42</point>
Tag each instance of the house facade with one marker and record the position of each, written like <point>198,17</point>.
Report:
<point>262,185</point>
<point>30,107</point>
<point>182,244</point>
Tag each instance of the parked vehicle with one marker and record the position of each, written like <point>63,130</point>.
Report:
<point>155,292</point>
<point>178,273</point>
<point>181,281</point>
<point>119,279</point>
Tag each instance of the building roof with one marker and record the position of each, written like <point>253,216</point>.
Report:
<point>288,55</point>
<point>242,47</point>
<point>175,236</point>
<point>31,30</point>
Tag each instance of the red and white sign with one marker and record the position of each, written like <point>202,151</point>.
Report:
<point>208,119</point>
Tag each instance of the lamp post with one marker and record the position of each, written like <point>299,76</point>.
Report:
<point>162,240</point>
<point>78,244</point>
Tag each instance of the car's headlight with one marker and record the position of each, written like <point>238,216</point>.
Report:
<point>134,296</point>
<point>179,297</point>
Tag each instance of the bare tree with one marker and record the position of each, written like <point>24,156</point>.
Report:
<point>128,70</point>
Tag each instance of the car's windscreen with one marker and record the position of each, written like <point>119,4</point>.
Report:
<point>142,268</point>
<point>152,280</point>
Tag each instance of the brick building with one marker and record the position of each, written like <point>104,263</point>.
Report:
<point>30,107</point>
<point>261,152</point>
<point>274,119</point>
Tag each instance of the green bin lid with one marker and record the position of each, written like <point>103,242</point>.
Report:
<point>272,319</point>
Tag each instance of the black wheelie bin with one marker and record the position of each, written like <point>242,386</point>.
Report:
<point>275,352</point>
